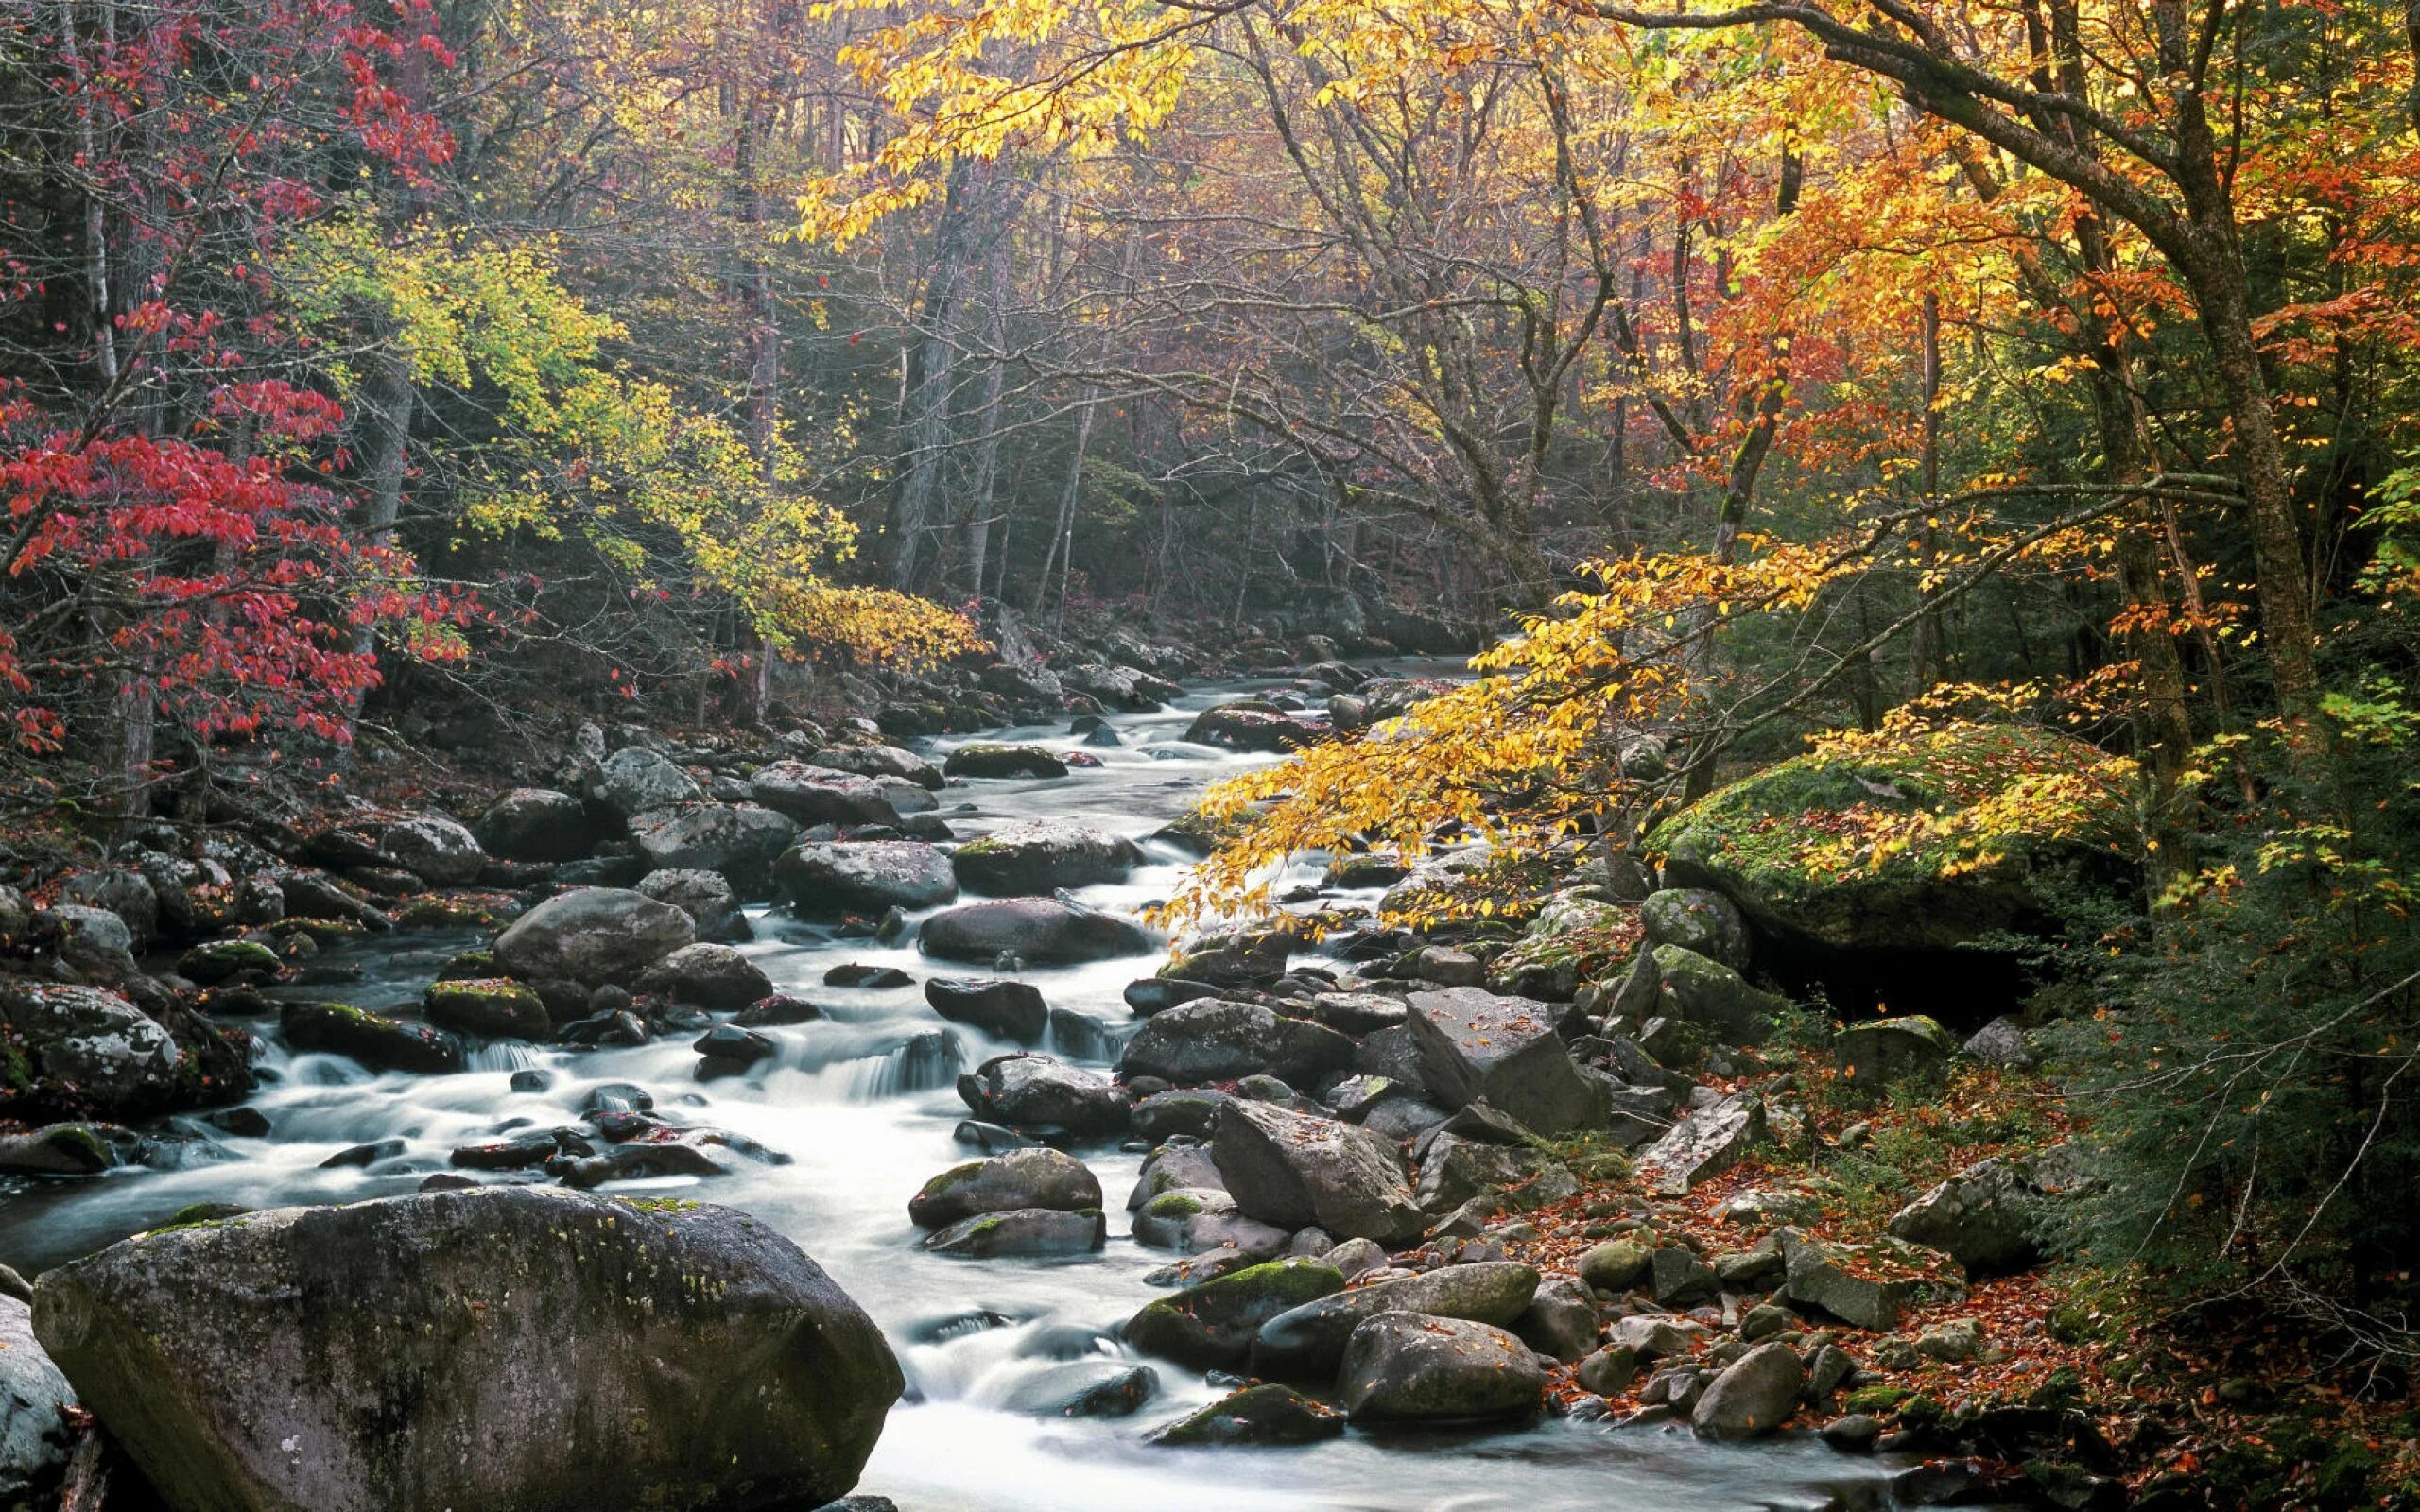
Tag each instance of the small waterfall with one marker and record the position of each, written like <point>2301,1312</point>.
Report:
<point>925,1063</point>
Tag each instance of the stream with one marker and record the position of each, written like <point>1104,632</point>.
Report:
<point>868,1117</point>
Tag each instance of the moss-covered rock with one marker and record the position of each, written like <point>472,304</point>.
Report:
<point>596,1354</point>
<point>220,960</point>
<point>495,1007</point>
<point>2003,807</point>
<point>1257,1414</point>
<point>1211,1327</point>
<point>377,1041</point>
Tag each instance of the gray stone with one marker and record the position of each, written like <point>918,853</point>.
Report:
<point>634,780</point>
<point>1751,1396</point>
<point>94,941</point>
<point>824,880</point>
<point>1212,1039</point>
<point>1212,1326</point>
<point>739,840</point>
<point>715,977</point>
<point>35,1439</point>
<point>1036,856</point>
<point>377,1041</point>
<point>95,1046</point>
<point>434,848</point>
<point>1867,1286</point>
<point>1476,1045</point>
<point>1410,1368</point>
<point>1020,1231</point>
<point>1704,1144</point>
<point>1040,931</point>
<point>1695,990</point>
<point>1263,1414</point>
<point>1292,1170</point>
<point>705,897</point>
<point>1010,1010</point>
<point>1033,1090</point>
<point>536,824</point>
<point>1307,1342</point>
<point>880,762</point>
<point>1561,1320</point>
<point>592,937</point>
<point>993,759</point>
<point>689,1350</point>
<point>1905,1047</point>
<point>1034,1177</point>
<point>819,795</point>
<point>1699,921</point>
<point>1984,1216</point>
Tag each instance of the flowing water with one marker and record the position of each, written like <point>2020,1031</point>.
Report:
<point>863,1101</point>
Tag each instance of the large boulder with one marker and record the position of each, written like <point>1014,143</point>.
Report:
<point>1412,1367</point>
<point>1040,931</point>
<point>634,780</point>
<point>715,977</point>
<point>1253,726</point>
<point>879,762</point>
<point>1213,1039</point>
<point>1694,989</point>
<point>1698,919</point>
<point>1752,1394</point>
<point>1772,843</point>
<point>1308,1342</point>
<point>1035,1178</point>
<point>1475,1046</point>
<point>434,848</point>
<point>1296,1171</point>
<point>1703,1145</point>
<point>1212,1326</point>
<point>739,840</point>
<point>820,795</point>
<point>594,936</point>
<point>1867,1286</point>
<point>1878,1053</point>
<point>35,1437</point>
<point>990,759</point>
<point>1232,957</point>
<point>84,1047</point>
<point>1985,1216</point>
<point>706,897</point>
<point>375,1040</point>
<point>94,941</point>
<point>536,824</point>
<point>1027,1091</point>
<point>504,1347</point>
<point>1007,1011</point>
<point>1043,855</point>
<point>824,881</point>
<point>493,1008</point>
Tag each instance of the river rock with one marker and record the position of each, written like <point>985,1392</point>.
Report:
<point>1867,1286</point>
<point>1041,855</point>
<point>1008,1010</point>
<point>1474,1045</point>
<point>820,795</point>
<point>739,840</point>
<point>879,762</point>
<point>35,1439</point>
<point>1034,1177</point>
<point>1412,1367</point>
<point>1693,988</point>
<point>436,849</point>
<point>715,977</point>
<point>1751,1396</point>
<point>1041,931</point>
<point>990,759</point>
<point>1020,1231</point>
<point>536,824</point>
<point>1086,1388</point>
<point>214,961</point>
<point>1211,1327</point>
<point>634,780</point>
<point>1215,1039</point>
<point>1700,919</point>
<point>826,880</point>
<point>1706,1143</point>
<point>705,897</point>
<point>1031,1090</point>
<point>86,1046</point>
<point>1265,1414</point>
<point>62,1151</point>
<point>687,1349</point>
<point>121,890</point>
<point>493,1008</point>
<point>1253,726</point>
<point>1560,1321</point>
<point>594,936</point>
<point>1307,1342</point>
<point>1293,1170</point>
<point>94,941</point>
<point>1232,957</point>
<point>377,1041</point>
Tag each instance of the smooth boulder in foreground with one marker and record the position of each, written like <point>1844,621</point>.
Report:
<point>507,1347</point>
<point>1041,931</point>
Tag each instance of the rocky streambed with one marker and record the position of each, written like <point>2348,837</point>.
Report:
<point>1082,1204</point>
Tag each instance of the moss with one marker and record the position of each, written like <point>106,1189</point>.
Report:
<point>658,1204</point>
<point>1875,1398</point>
<point>1171,1205</point>
<point>985,846</point>
<point>956,1175</point>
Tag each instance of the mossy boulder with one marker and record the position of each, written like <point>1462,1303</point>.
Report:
<point>375,1040</point>
<point>1266,1415</point>
<point>220,960</point>
<point>493,1008</point>
<point>505,1347</point>
<point>1306,1342</point>
<point>993,759</point>
<point>1036,856</point>
<point>1035,1178</point>
<point>1403,1368</point>
<point>1906,1047</point>
<point>2001,808</point>
<point>1212,1326</point>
